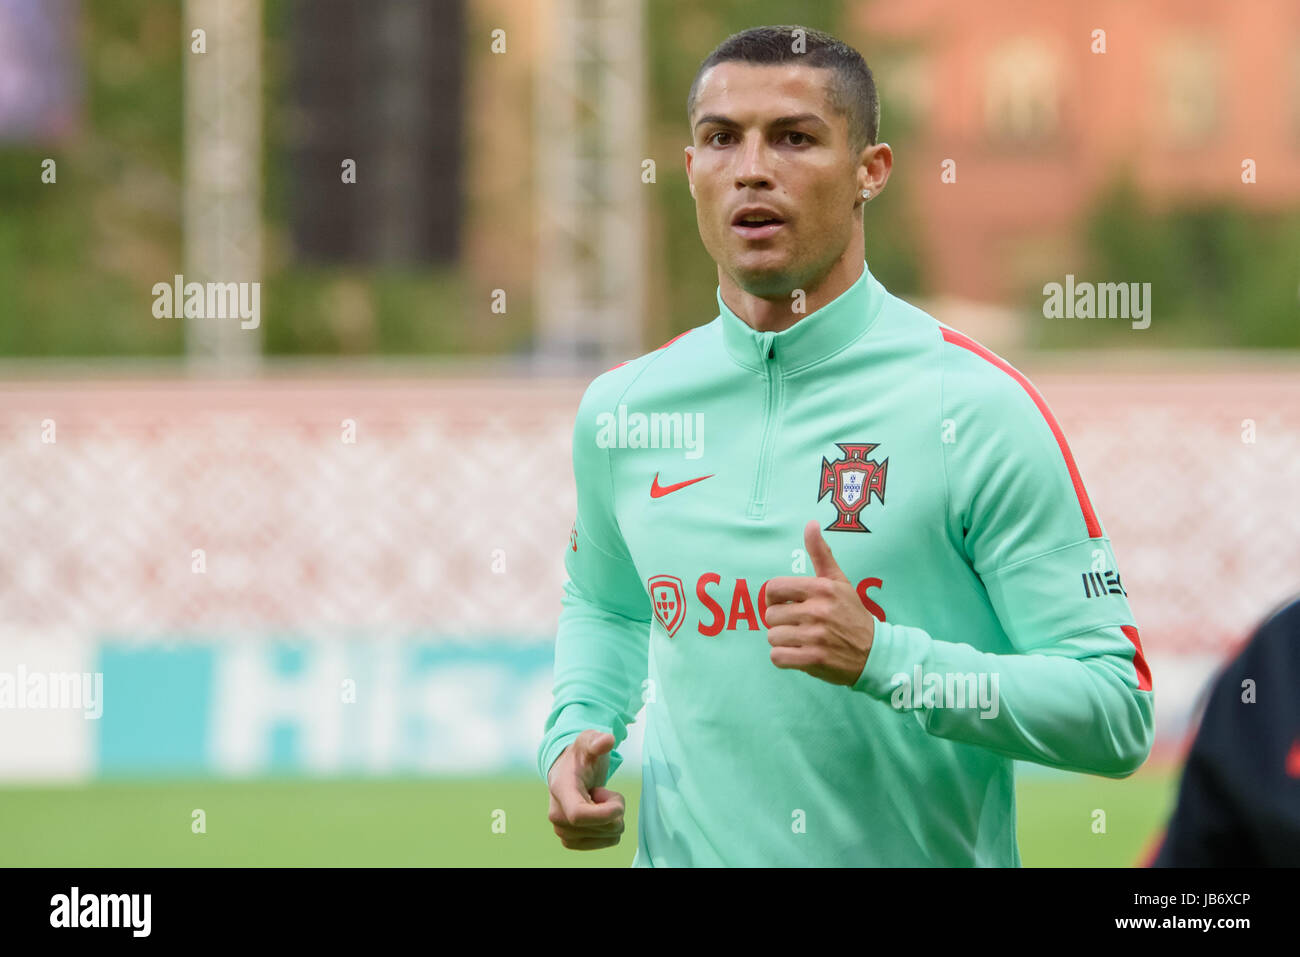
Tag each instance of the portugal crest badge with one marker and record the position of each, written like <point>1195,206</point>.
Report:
<point>669,601</point>
<point>851,481</point>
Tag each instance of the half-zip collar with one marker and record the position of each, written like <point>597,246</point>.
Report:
<point>816,336</point>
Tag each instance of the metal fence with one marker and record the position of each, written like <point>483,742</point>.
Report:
<point>162,508</point>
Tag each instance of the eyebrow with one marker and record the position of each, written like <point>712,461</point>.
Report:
<point>721,120</point>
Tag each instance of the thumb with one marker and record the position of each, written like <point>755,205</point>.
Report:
<point>824,563</point>
<point>593,744</point>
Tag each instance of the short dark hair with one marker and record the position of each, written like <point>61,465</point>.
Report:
<point>851,90</point>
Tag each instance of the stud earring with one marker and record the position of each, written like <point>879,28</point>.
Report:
<point>866,194</point>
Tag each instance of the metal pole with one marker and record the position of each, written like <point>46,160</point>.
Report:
<point>589,120</point>
<point>223,173</point>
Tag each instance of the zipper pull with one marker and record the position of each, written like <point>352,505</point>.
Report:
<point>766,349</point>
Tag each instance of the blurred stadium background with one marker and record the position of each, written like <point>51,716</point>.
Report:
<point>318,562</point>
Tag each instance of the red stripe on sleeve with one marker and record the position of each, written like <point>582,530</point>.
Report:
<point>664,346</point>
<point>1148,858</point>
<point>1139,659</point>
<point>674,339</point>
<point>1089,516</point>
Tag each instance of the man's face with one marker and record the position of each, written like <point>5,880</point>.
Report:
<point>765,136</point>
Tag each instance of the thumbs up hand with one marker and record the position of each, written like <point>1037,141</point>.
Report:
<point>585,814</point>
<point>819,624</point>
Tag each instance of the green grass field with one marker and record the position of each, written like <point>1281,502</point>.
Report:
<point>449,822</point>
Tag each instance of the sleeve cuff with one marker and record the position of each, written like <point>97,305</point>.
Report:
<point>575,719</point>
<point>895,650</point>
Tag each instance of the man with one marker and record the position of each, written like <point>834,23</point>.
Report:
<point>887,503</point>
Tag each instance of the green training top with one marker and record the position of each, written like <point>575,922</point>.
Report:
<point>951,501</point>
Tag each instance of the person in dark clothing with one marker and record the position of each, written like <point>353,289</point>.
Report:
<point>1239,800</point>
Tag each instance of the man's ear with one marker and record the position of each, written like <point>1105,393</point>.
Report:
<point>690,156</point>
<point>879,163</point>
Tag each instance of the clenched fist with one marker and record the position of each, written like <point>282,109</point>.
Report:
<point>586,814</point>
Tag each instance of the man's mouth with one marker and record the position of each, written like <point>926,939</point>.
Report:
<point>756,223</point>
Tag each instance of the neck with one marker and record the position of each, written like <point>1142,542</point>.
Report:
<point>774,313</point>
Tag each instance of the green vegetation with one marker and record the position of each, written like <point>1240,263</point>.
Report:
<point>78,259</point>
<point>1222,276</point>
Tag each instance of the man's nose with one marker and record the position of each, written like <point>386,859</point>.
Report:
<point>752,163</point>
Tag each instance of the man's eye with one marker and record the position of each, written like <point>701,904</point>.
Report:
<point>713,137</point>
<point>804,138</point>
